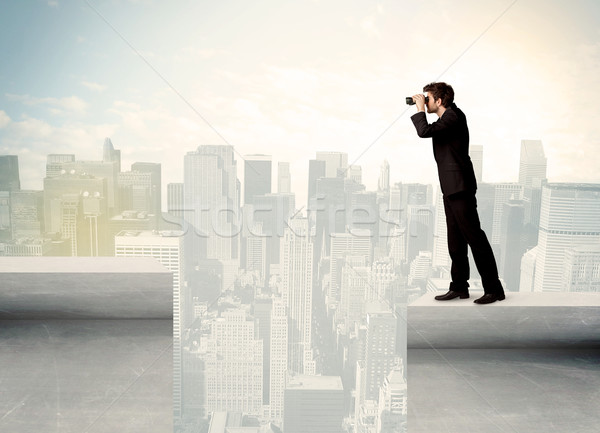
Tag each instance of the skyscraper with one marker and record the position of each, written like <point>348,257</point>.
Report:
<point>441,257</point>
<point>135,192</point>
<point>110,154</point>
<point>384,177</point>
<point>358,243</point>
<point>532,176</point>
<point>166,248</point>
<point>9,173</point>
<point>296,289</point>
<point>380,348</point>
<point>316,170</point>
<point>570,217</point>
<point>503,193</point>
<point>257,176</point>
<point>512,244</point>
<point>232,358</point>
<point>330,210</point>
<point>211,201</point>
<point>272,211</point>
<point>533,163</point>
<point>420,226</point>
<point>284,178</point>
<point>175,199</point>
<point>278,358</point>
<point>154,169</point>
<point>355,283</point>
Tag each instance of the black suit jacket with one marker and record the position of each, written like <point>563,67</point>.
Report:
<point>450,136</point>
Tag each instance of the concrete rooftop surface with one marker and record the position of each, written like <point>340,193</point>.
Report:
<point>115,375</point>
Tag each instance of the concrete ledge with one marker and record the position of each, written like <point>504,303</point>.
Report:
<point>521,320</point>
<point>85,288</point>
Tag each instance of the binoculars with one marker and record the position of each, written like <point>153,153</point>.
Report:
<point>409,100</point>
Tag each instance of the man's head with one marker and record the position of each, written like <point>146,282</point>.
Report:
<point>440,95</point>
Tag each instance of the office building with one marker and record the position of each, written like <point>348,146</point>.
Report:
<point>314,404</point>
<point>135,192</point>
<point>383,184</point>
<point>211,202</point>
<point>420,226</point>
<point>55,163</point>
<point>155,172</point>
<point>582,269</point>
<point>357,243</point>
<point>420,267</point>
<point>392,413</point>
<point>380,348</point>
<point>278,355</point>
<point>27,213</point>
<point>5,226</point>
<point>9,173</point>
<point>231,358</point>
<point>532,163</point>
<point>167,249</point>
<point>441,256</point>
<point>355,286</point>
<point>316,170</point>
<point>257,176</point>
<point>383,276</point>
<point>272,212</point>
<point>512,244</point>
<point>284,178</point>
<point>570,217</point>
<point>175,202</point>
<point>296,290</point>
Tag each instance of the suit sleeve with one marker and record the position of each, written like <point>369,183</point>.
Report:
<point>441,126</point>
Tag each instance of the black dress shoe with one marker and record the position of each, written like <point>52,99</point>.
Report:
<point>451,295</point>
<point>488,298</point>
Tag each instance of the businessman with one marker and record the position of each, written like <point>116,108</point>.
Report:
<point>450,136</point>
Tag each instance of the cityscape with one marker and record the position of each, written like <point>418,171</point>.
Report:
<point>288,316</point>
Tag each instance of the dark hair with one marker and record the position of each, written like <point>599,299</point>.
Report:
<point>441,91</point>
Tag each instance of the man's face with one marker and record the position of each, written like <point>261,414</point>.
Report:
<point>432,105</point>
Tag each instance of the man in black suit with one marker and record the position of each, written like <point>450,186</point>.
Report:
<point>450,136</point>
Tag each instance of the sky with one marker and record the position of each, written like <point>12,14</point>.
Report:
<point>295,77</point>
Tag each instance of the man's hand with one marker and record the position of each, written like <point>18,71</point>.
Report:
<point>420,101</point>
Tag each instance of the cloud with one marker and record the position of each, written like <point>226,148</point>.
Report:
<point>53,4</point>
<point>369,23</point>
<point>4,119</point>
<point>96,87</point>
<point>66,105</point>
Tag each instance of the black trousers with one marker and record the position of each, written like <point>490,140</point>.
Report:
<point>464,229</point>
